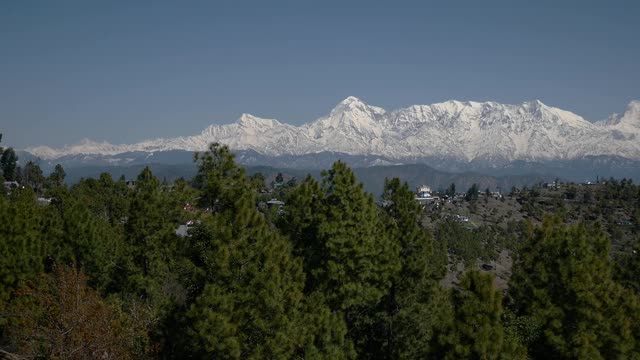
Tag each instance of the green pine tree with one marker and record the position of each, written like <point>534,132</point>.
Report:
<point>301,221</point>
<point>629,268</point>
<point>323,332</point>
<point>104,197</point>
<point>33,177</point>
<point>404,228</point>
<point>247,285</point>
<point>562,283</point>
<point>21,245</point>
<point>218,178</point>
<point>359,260</point>
<point>475,330</point>
<point>409,304</point>
<point>472,193</point>
<point>56,178</point>
<point>349,259</point>
<point>151,242</point>
<point>8,162</point>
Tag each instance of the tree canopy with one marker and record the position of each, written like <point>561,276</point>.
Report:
<point>204,268</point>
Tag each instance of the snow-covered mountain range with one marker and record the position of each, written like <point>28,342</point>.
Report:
<point>463,131</point>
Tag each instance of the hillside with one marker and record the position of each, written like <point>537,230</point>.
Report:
<point>372,177</point>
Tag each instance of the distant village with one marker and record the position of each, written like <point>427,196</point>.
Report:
<point>271,198</point>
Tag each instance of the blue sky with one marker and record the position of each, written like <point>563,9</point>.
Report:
<point>124,71</point>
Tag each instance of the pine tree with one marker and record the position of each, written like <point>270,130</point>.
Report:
<point>150,240</point>
<point>248,286</point>
<point>409,302</point>
<point>218,178</point>
<point>21,246</point>
<point>563,282</point>
<point>56,178</point>
<point>257,181</point>
<point>472,193</point>
<point>74,236</point>
<point>475,330</point>
<point>629,269</point>
<point>348,258</point>
<point>360,260</point>
<point>451,191</point>
<point>302,218</point>
<point>404,228</point>
<point>104,197</point>
<point>323,332</point>
<point>8,162</point>
<point>32,176</point>
<point>291,183</point>
<point>417,324</point>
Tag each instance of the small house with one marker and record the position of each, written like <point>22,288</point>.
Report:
<point>275,202</point>
<point>43,201</point>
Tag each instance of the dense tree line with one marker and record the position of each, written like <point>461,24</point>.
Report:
<point>101,273</point>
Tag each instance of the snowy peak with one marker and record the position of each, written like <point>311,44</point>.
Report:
<point>350,100</point>
<point>634,106</point>
<point>350,119</point>
<point>246,122</point>
<point>484,115</point>
<point>250,121</point>
<point>354,107</point>
<point>631,116</point>
<point>630,119</point>
<point>534,104</point>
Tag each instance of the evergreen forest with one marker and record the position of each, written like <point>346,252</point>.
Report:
<point>99,269</point>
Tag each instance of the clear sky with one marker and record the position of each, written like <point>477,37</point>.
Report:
<point>124,71</point>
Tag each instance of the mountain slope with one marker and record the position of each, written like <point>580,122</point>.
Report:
<point>463,131</point>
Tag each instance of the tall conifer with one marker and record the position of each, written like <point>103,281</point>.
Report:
<point>348,256</point>
<point>475,330</point>
<point>563,283</point>
<point>251,286</point>
<point>411,303</point>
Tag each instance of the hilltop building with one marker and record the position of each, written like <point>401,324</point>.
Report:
<point>424,195</point>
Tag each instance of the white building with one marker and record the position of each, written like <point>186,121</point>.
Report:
<point>423,194</point>
<point>423,189</point>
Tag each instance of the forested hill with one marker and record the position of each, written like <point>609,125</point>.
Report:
<point>372,177</point>
<point>227,264</point>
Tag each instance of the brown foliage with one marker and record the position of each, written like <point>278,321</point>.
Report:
<point>60,317</point>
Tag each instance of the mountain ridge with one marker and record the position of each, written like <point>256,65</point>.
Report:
<point>465,131</point>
